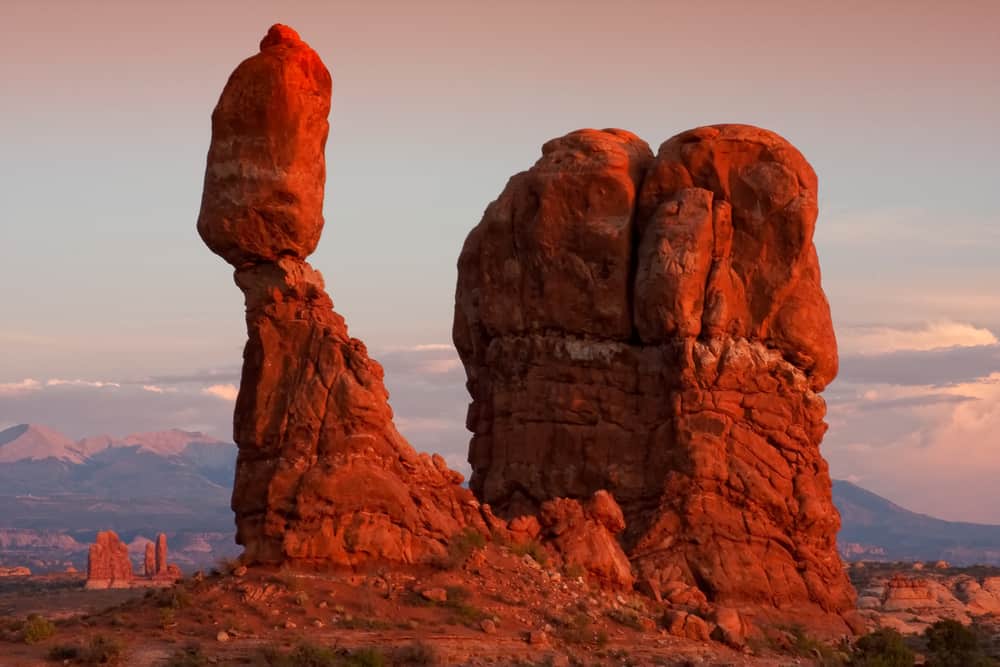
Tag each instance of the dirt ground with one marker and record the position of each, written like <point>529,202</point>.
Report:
<point>497,607</point>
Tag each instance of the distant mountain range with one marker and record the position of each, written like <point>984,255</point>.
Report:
<point>56,493</point>
<point>873,528</point>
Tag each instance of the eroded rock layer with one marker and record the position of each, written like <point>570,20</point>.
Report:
<point>655,326</point>
<point>322,474</point>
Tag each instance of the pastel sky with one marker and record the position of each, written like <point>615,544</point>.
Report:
<point>115,318</point>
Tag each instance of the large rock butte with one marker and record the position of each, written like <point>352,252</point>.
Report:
<point>655,326</point>
<point>108,563</point>
<point>322,475</point>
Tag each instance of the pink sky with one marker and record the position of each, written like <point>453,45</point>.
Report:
<point>105,109</point>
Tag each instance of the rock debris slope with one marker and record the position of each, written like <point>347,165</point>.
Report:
<point>655,326</point>
<point>322,474</point>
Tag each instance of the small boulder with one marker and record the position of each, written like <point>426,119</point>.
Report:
<point>435,594</point>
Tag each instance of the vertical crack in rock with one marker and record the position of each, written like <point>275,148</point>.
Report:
<point>322,475</point>
<point>659,331</point>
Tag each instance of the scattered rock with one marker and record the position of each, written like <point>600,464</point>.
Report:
<point>222,636</point>
<point>538,638</point>
<point>585,537</point>
<point>488,626</point>
<point>240,571</point>
<point>730,627</point>
<point>435,594</point>
<point>683,624</point>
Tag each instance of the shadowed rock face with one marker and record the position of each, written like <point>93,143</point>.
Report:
<point>655,326</point>
<point>322,475</point>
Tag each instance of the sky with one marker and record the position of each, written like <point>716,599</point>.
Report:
<point>115,318</point>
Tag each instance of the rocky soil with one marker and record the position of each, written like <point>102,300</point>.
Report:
<point>489,605</point>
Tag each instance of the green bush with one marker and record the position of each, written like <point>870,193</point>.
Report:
<point>461,546</point>
<point>37,628</point>
<point>882,648</point>
<point>417,654</point>
<point>310,655</point>
<point>951,644</point>
<point>534,549</point>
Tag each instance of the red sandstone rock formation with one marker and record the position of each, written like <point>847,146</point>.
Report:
<point>584,536</point>
<point>656,327</point>
<point>160,561</point>
<point>322,474</point>
<point>149,561</point>
<point>108,564</point>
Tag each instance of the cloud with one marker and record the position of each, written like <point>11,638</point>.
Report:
<point>940,367</point>
<point>226,392</point>
<point>27,384</point>
<point>93,384</point>
<point>212,376</point>
<point>875,340</point>
<point>156,389</point>
<point>81,410</point>
<point>933,448</point>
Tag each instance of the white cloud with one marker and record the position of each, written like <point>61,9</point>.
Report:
<point>95,384</point>
<point>226,392</point>
<point>928,336</point>
<point>24,385</point>
<point>157,389</point>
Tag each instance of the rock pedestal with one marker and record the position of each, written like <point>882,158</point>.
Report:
<point>149,561</point>
<point>322,475</point>
<point>655,326</point>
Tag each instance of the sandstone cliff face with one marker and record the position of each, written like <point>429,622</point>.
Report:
<point>655,326</point>
<point>322,474</point>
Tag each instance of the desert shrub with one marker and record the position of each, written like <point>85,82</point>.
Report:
<point>37,628</point>
<point>310,655</point>
<point>102,651</point>
<point>365,657</point>
<point>168,618</point>
<point>951,644</point>
<point>62,652</point>
<point>625,617</point>
<point>417,654</point>
<point>461,546</point>
<point>189,656</point>
<point>882,648</point>
<point>574,630</point>
<point>804,645</point>
<point>534,549</point>
<point>356,623</point>
<point>175,597</point>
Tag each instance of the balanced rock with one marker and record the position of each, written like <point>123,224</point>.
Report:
<point>322,475</point>
<point>655,327</point>
<point>108,563</point>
